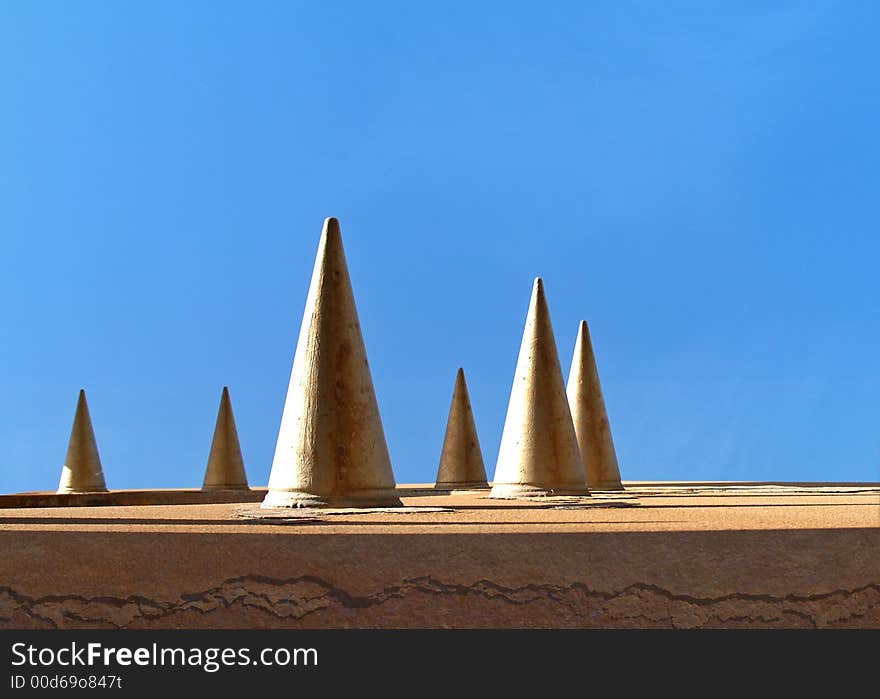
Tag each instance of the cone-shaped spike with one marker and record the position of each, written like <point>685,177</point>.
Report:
<point>461,462</point>
<point>82,472</point>
<point>590,419</point>
<point>539,453</point>
<point>331,447</point>
<point>225,470</point>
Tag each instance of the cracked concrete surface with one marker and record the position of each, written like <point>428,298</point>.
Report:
<point>684,558</point>
<point>287,602</point>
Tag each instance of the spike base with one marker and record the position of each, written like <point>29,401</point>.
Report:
<point>607,485</point>
<point>512,491</point>
<point>469,485</point>
<point>241,486</point>
<point>363,498</point>
<point>78,491</point>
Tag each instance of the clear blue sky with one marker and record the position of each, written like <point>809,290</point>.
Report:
<point>698,180</point>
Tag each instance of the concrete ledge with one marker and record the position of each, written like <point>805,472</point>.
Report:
<point>132,497</point>
<point>677,556</point>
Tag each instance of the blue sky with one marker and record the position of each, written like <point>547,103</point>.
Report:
<point>698,180</point>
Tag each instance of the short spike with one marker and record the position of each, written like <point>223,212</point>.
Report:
<point>225,470</point>
<point>82,471</point>
<point>461,461</point>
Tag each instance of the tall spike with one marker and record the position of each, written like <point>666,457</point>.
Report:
<point>461,462</point>
<point>590,419</point>
<point>225,470</point>
<point>331,447</point>
<point>539,453</point>
<point>82,472</point>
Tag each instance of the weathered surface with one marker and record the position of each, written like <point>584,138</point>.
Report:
<point>331,446</point>
<point>82,471</point>
<point>461,461</point>
<point>225,469</point>
<point>590,417</point>
<point>658,556</point>
<point>539,452</point>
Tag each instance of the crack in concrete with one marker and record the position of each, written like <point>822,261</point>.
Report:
<point>577,604</point>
